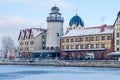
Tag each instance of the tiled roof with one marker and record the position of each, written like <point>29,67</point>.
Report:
<point>27,32</point>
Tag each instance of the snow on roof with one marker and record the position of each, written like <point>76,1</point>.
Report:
<point>22,32</point>
<point>90,31</point>
<point>27,32</point>
<point>37,31</point>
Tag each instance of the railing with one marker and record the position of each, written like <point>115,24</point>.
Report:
<point>55,18</point>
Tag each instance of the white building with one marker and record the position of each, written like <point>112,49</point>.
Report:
<point>117,33</point>
<point>54,28</point>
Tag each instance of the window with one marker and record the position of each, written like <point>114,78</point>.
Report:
<point>81,39</point>
<point>32,42</point>
<point>117,42</point>
<point>81,46</point>
<point>72,46</point>
<point>76,47</point>
<point>108,37</point>
<point>43,42</point>
<point>43,37</point>
<point>117,34</point>
<point>21,49</point>
<point>63,40</point>
<point>57,34</point>
<point>92,38</point>
<point>87,46</point>
<point>67,40</point>
<point>63,47</point>
<point>103,38</point>
<point>26,49</point>
<point>76,39</point>
<point>118,49</point>
<point>67,47</point>
<point>92,46</point>
<point>72,40</point>
<point>26,43</point>
<point>97,38</point>
<point>97,45</point>
<point>43,47</point>
<point>102,45</point>
<point>21,43</point>
<point>86,39</point>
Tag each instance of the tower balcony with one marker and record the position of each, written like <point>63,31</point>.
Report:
<point>55,19</point>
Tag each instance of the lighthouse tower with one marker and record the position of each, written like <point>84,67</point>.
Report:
<point>54,28</point>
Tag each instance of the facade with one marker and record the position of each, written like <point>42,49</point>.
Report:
<point>80,41</point>
<point>54,29</point>
<point>117,33</point>
<point>31,40</point>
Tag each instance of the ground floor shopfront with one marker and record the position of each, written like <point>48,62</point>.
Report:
<point>97,54</point>
<point>25,55</point>
<point>43,54</point>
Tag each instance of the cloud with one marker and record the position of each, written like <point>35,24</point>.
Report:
<point>7,21</point>
<point>47,4</point>
<point>40,4</point>
<point>15,1</point>
<point>15,21</point>
<point>11,26</point>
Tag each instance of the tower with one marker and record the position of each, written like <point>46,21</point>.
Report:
<point>54,28</point>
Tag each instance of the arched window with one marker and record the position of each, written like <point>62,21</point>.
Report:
<point>52,48</point>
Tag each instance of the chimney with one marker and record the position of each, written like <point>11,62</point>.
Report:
<point>102,29</point>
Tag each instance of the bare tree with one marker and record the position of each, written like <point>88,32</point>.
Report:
<point>7,44</point>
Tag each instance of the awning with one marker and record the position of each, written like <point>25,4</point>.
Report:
<point>114,53</point>
<point>45,51</point>
<point>67,50</point>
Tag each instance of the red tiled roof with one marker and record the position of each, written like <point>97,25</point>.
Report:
<point>29,31</point>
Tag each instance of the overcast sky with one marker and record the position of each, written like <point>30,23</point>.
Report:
<point>21,14</point>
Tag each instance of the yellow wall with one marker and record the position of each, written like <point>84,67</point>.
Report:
<point>100,42</point>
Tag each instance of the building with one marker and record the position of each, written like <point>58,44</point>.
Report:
<point>79,41</point>
<point>31,40</point>
<point>54,29</point>
<point>117,33</point>
<point>37,42</point>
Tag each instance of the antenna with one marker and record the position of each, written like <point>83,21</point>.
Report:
<point>103,19</point>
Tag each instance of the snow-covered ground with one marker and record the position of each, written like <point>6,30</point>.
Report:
<point>57,73</point>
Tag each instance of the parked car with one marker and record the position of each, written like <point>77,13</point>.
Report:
<point>89,56</point>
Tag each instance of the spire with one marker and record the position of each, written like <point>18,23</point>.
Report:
<point>55,4</point>
<point>76,12</point>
